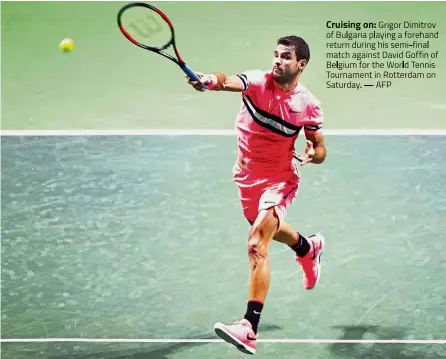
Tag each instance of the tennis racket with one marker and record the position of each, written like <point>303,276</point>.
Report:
<point>149,28</point>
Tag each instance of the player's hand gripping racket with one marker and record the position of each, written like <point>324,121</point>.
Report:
<point>149,28</point>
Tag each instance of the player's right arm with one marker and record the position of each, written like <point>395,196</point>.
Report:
<point>218,81</point>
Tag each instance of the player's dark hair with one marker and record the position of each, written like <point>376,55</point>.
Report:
<point>300,46</point>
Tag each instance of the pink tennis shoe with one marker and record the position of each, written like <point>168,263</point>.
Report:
<point>311,263</point>
<point>239,334</point>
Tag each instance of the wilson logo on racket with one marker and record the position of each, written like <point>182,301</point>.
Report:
<point>149,28</point>
<point>146,27</point>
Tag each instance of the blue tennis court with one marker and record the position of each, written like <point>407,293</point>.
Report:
<point>142,237</point>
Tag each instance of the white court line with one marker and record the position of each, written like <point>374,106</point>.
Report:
<point>280,341</point>
<point>204,132</point>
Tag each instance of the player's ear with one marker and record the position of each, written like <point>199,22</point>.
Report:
<point>301,64</point>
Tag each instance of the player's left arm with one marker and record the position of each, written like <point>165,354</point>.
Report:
<point>315,152</point>
<point>318,145</point>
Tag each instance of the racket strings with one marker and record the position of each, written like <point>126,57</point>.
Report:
<point>147,27</point>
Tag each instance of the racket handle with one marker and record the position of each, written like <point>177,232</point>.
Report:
<point>188,71</point>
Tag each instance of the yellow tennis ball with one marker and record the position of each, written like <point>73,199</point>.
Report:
<point>66,45</point>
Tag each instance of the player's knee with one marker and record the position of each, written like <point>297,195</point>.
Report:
<point>256,249</point>
<point>257,242</point>
<point>261,234</point>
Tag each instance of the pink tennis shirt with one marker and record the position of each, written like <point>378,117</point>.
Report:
<point>269,123</point>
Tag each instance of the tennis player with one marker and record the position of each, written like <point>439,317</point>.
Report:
<point>275,107</point>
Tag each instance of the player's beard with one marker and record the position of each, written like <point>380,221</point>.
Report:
<point>284,77</point>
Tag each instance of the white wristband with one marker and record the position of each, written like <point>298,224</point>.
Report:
<point>213,83</point>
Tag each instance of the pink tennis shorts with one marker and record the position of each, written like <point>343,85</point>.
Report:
<point>256,195</point>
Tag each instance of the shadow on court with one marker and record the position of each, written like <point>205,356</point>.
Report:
<point>380,351</point>
<point>143,353</point>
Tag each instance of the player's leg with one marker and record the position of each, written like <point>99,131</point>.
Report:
<point>308,252</point>
<point>289,236</point>
<point>259,240</point>
<point>286,234</point>
<point>265,223</point>
<point>243,333</point>
<point>308,249</point>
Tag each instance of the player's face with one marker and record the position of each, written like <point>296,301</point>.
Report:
<point>285,64</point>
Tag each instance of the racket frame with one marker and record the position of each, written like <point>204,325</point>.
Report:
<point>159,50</point>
